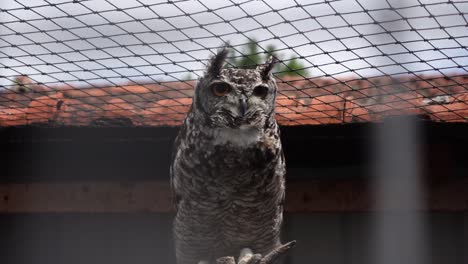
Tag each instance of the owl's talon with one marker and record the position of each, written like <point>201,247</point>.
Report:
<point>245,256</point>
<point>225,260</point>
<point>256,258</point>
<point>277,253</point>
<point>248,257</point>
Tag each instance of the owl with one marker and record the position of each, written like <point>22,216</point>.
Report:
<point>228,167</point>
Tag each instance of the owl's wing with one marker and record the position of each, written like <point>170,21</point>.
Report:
<point>175,192</point>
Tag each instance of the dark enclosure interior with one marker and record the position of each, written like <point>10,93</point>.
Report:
<point>333,159</point>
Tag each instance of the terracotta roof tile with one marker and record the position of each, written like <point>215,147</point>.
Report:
<point>169,112</point>
<point>456,111</point>
<point>311,101</point>
<point>44,108</point>
<point>13,117</point>
<point>75,112</point>
<point>354,112</point>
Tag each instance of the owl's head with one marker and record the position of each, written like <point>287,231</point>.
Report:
<point>235,98</point>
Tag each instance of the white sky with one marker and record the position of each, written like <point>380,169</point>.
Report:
<point>101,44</point>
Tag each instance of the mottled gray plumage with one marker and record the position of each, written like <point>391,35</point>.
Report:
<point>228,166</point>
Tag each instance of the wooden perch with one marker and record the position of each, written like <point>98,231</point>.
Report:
<point>247,256</point>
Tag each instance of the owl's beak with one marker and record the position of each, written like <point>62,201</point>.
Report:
<point>243,106</point>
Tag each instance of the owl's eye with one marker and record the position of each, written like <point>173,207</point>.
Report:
<point>260,91</point>
<point>220,89</point>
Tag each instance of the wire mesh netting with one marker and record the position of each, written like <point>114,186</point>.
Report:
<point>107,63</point>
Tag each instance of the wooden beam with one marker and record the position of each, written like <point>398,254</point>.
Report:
<point>86,197</point>
<point>308,196</point>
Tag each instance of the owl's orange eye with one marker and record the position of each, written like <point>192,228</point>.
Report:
<point>260,91</point>
<point>220,89</point>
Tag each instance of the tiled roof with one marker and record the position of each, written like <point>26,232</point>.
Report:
<point>311,101</point>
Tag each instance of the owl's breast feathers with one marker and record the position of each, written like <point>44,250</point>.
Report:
<point>226,154</point>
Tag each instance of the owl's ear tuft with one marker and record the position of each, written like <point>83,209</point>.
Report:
<point>216,63</point>
<point>265,69</point>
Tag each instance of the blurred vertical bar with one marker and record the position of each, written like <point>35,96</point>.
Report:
<point>399,220</point>
<point>399,223</point>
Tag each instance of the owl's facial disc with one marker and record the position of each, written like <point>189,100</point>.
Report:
<point>239,99</point>
<point>235,98</point>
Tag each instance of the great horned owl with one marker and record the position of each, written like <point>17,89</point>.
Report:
<point>228,167</point>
